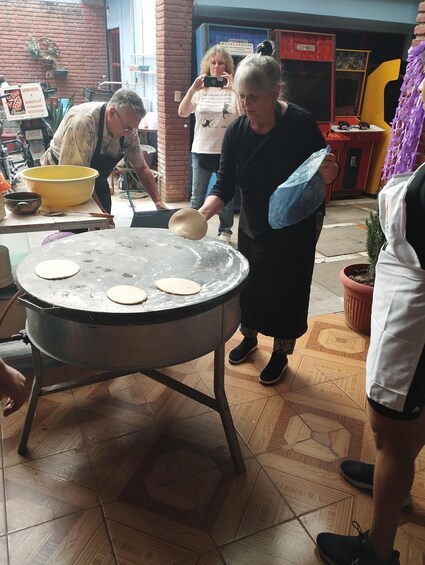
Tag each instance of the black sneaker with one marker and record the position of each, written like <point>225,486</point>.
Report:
<point>274,369</point>
<point>357,473</point>
<point>241,352</point>
<point>351,550</point>
<point>361,476</point>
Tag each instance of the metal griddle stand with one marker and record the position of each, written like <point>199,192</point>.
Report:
<point>50,313</point>
<point>218,402</point>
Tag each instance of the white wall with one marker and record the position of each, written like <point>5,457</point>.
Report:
<point>136,21</point>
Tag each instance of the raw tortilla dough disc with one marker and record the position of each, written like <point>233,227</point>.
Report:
<point>126,294</point>
<point>188,223</point>
<point>56,269</point>
<point>182,287</point>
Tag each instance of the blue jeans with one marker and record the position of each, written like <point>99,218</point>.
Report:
<point>200,180</point>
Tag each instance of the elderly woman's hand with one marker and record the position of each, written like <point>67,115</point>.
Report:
<point>329,168</point>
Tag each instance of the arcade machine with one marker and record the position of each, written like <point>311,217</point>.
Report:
<point>378,108</point>
<point>330,83</point>
<point>361,136</point>
<point>307,61</point>
<point>239,41</point>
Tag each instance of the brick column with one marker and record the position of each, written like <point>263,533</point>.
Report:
<point>173,65</point>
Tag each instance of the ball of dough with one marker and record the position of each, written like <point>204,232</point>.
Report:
<point>188,223</point>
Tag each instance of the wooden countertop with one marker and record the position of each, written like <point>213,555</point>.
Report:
<point>13,223</point>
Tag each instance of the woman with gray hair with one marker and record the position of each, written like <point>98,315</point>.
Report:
<point>99,135</point>
<point>260,151</point>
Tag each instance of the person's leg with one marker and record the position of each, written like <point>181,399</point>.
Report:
<point>226,218</point>
<point>200,179</point>
<point>283,346</point>
<point>278,363</point>
<point>248,332</point>
<point>246,346</point>
<point>398,443</point>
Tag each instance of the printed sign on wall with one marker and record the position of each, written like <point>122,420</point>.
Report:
<point>24,102</point>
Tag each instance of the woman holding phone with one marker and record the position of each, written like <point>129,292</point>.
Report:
<point>212,100</point>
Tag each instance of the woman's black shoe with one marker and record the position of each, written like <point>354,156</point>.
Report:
<point>241,352</point>
<point>274,369</point>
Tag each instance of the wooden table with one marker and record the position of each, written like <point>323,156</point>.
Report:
<point>13,223</point>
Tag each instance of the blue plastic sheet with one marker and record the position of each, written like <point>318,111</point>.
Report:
<point>300,195</point>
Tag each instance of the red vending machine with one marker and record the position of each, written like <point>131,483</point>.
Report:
<point>307,61</point>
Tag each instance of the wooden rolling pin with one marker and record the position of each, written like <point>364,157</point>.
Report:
<point>73,212</point>
<point>95,214</point>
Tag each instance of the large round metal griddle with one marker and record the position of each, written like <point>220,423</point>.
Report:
<point>73,320</point>
<point>138,257</point>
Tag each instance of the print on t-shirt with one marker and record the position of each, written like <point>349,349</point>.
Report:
<point>215,109</point>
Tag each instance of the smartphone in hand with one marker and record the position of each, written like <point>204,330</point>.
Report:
<point>217,82</point>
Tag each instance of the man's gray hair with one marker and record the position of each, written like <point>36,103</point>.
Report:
<point>126,99</point>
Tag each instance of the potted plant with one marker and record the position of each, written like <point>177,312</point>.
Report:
<point>32,45</point>
<point>49,52</point>
<point>60,71</point>
<point>57,110</point>
<point>44,49</point>
<point>358,280</point>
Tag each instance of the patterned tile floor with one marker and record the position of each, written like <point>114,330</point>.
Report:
<point>130,472</point>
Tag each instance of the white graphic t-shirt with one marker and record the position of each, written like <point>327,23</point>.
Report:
<point>214,109</point>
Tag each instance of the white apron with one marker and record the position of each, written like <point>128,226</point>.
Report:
<point>398,309</point>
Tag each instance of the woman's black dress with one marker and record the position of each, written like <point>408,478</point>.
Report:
<point>275,301</point>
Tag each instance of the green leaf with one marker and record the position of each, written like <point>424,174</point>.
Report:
<point>374,241</point>
<point>58,111</point>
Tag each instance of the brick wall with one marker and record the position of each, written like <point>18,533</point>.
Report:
<point>78,30</point>
<point>174,43</point>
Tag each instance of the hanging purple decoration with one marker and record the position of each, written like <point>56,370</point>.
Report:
<point>406,128</point>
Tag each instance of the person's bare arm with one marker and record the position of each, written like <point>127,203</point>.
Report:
<point>12,387</point>
<point>185,106</point>
<point>147,179</point>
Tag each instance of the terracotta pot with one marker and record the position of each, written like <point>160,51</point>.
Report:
<point>357,300</point>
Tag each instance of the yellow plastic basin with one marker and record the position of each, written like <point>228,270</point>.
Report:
<point>61,186</point>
